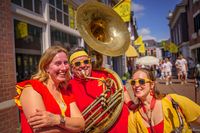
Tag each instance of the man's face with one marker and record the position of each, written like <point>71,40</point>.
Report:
<point>81,65</point>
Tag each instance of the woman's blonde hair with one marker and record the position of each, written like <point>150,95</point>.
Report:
<point>45,60</point>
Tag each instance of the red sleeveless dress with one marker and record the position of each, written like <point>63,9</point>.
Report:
<point>50,103</point>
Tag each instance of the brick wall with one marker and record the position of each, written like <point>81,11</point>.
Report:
<point>9,115</point>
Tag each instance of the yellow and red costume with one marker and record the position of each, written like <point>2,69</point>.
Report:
<point>86,91</point>
<point>50,103</point>
<point>190,112</point>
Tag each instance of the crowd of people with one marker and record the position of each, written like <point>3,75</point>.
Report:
<point>62,88</point>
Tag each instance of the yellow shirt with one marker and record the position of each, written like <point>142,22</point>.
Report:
<point>190,109</point>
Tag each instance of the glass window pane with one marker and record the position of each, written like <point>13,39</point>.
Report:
<point>59,4</point>
<point>66,20</point>
<point>28,4</point>
<point>17,2</point>
<point>65,7</point>
<point>38,6</point>
<point>52,13</point>
<point>59,16</point>
<point>52,2</point>
<point>27,36</point>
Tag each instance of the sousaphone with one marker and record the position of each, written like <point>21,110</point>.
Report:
<point>105,32</point>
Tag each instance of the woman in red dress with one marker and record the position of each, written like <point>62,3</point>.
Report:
<point>44,103</point>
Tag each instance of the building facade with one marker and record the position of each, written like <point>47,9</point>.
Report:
<point>193,11</point>
<point>179,28</point>
<point>28,28</point>
<point>184,23</point>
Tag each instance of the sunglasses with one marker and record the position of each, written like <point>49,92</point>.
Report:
<point>78,63</point>
<point>140,81</point>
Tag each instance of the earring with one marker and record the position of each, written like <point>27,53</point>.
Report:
<point>151,92</point>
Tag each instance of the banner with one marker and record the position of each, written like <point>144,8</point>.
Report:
<point>71,16</point>
<point>123,8</point>
<point>138,41</point>
<point>21,30</point>
<point>142,49</point>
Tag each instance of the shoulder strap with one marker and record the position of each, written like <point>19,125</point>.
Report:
<point>178,111</point>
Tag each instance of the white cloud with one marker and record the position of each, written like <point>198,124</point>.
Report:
<point>138,10</point>
<point>146,34</point>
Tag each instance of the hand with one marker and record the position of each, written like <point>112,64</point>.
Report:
<point>43,119</point>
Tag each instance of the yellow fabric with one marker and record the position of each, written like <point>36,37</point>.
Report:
<point>77,54</point>
<point>21,30</point>
<point>142,48</point>
<point>123,8</point>
<point>173,48</point>
<point>138,41</point>
<point>131,52</point>
<point>190,110</point>
<point>19,91</point>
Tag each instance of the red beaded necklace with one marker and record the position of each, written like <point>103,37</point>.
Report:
<point>148,119</point>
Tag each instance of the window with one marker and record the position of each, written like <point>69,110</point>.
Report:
<point>60,37</point>
<point>38,6</point>
<point>17,2</point>
<point>28,42</point>
<point>32,5</point>
<point>27,36</point>
<point>28,4</point>
<point>197,23</point>
<point>52,13</point>
<point>63,12</point>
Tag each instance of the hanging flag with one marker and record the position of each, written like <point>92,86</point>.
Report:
<point>142,49</point>
<point>138,41</point>
<point>173,48</point>
<point>123,8</point>
<point>131,52</point>
<point>71,16</point>
<point>21,30</point>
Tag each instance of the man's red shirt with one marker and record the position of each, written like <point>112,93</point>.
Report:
<point>86,91</point>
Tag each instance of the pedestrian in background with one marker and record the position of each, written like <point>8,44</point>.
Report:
<point>184,69</point>
<point>159,113</point>
<point>168,71</point>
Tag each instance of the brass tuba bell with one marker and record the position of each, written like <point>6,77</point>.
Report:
<point>102,29</point>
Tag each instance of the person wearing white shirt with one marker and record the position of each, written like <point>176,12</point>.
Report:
<point>168,71</point>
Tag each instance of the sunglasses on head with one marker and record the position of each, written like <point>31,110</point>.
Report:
<point>140,81</point>
<point>78,63</point>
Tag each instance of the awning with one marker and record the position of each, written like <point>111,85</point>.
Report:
<point>131,52</point>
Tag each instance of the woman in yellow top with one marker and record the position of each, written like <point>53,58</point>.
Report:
<point>157,113</point>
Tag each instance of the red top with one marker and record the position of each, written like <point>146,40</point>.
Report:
<point>50,103</point>
<point>86,91</point>
<point>157,128</point>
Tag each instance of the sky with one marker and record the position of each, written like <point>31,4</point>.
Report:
<point>151,18</point>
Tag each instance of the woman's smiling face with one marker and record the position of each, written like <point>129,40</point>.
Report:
<point>58,68</point>
<point>141,89</point>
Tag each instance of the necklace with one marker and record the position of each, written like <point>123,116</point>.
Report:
<point>148,119</point>
<point>62,104</point>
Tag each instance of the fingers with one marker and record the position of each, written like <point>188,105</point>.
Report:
<point>40,119</point>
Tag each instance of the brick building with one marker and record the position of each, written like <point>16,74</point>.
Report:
<point>8,112</point>
<point>184,24</point>
<point>28,27</point>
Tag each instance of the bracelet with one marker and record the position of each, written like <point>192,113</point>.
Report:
<point>62,120</point>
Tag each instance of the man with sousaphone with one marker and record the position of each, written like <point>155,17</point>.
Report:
<point>95,92</point>
<point>100,94</point>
